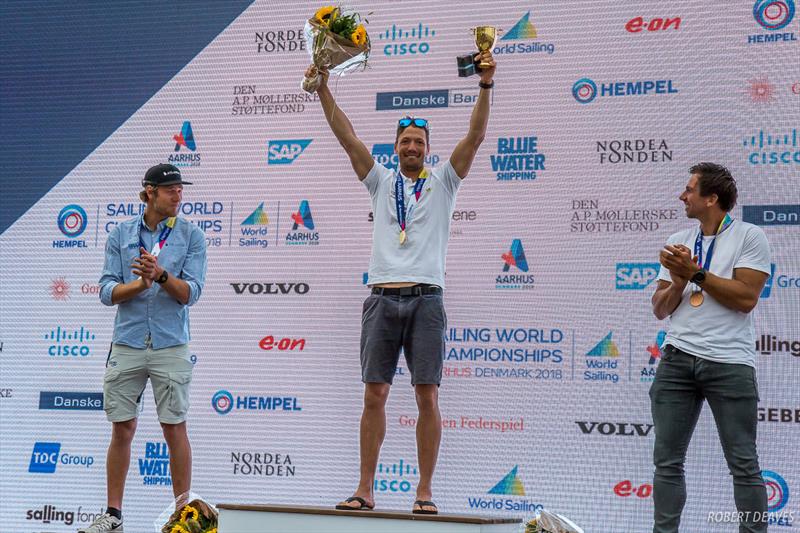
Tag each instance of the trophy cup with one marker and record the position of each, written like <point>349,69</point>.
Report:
<point>485,37</point>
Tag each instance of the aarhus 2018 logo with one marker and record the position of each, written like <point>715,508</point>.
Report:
<point>302,232</point>
<point>69,343</point>
<point>773,15</point>
<point>254,229</point>
<point>517,159</point>
<point>523,30</point>
<point>224,402</point>
<point>510,485</point>
<point>415,41</point>
<point>585,90</point>
<point>773,148</point>
<point>515,257</point>
<point>185,139</point>
<point>602,361</point>
<point>72,223</point>
<point>648,372</point>
<point>285,152</point>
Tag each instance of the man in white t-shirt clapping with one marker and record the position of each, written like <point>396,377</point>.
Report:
<point>710,281</point>
<point>412,210</point>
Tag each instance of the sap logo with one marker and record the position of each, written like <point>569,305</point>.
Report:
<point>624,489</point>
<point>270,288</point>
<point>638,24</point>
<point>623,429</point>
<point>636,276</point>
<point>285,152</point>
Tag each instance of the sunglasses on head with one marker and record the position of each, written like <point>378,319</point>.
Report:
<point>408,121</point>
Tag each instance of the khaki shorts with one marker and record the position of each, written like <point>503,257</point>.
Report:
<point>127,370</point>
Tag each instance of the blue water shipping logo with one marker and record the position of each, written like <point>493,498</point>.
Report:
<point>636,276</point>
<point>585,90</point>
<point>285,152</point>
<point>517,158</point>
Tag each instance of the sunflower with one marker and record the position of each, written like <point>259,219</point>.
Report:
<point>187,511</point>
<point>359,36</point>
<point>325,15</point>
<point>177,528</point>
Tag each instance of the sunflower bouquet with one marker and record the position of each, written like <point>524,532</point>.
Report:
<point>337,41</point>
<point>196,516</point>
<point>547,522</point>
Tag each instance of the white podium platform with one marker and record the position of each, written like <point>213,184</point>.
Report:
<point>297,519</point>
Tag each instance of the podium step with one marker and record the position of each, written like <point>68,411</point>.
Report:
<point>301,519</point>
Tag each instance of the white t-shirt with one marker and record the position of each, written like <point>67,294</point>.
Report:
<point>421,259</point>
<point>713,331</point>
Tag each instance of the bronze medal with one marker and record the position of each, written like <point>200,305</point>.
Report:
<point>403,237</point>
<point>696,299</point>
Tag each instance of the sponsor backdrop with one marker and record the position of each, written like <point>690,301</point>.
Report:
<point>551,345</point>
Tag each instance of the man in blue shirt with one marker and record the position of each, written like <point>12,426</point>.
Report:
<point>155,268</point>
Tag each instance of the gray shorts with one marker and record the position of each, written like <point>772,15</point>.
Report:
<point>415,323</point>
<point>127,371</point>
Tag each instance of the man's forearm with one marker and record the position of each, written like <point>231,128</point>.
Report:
<point>337,120</point>
<point>731,293</point>
<point>479,120</point>
<point>177,288</point>
<point>666,300</point>
<point>126,291</point>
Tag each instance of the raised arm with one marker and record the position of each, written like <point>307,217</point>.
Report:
<point>359,155</point>
<point>465,150</point>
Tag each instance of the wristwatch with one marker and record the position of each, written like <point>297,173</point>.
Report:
<point>699,277</point>
<point>483,85</point>
<point>163,277</point>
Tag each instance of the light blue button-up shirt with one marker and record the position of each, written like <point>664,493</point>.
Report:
<point>153,314</point>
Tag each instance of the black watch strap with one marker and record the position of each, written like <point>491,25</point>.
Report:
<point>483,85</point>
<point>163,277</point>
<point>699,277</point>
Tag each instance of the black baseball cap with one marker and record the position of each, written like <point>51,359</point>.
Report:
<point>163,174</point>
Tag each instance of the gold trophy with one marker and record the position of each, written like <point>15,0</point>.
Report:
<point>485,37</point>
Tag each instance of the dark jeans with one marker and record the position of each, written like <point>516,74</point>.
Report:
<point>682,382</point>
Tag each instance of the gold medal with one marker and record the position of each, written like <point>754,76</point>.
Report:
<point>696,299</point>
<point>403,237</point>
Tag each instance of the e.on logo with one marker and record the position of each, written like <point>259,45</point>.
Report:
<point>639,24</point>
<point>283,345</point>
<point>624,489</point>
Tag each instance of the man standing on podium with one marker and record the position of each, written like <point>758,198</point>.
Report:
<point>412,209</point>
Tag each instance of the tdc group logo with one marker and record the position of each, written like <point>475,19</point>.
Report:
<point>586,90</point>
<point>285,152</point>
<point>46,456</point>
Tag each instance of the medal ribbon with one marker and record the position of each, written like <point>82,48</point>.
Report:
<point>162,237</point>
<point>698,243</point>
<point>403,215</point>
